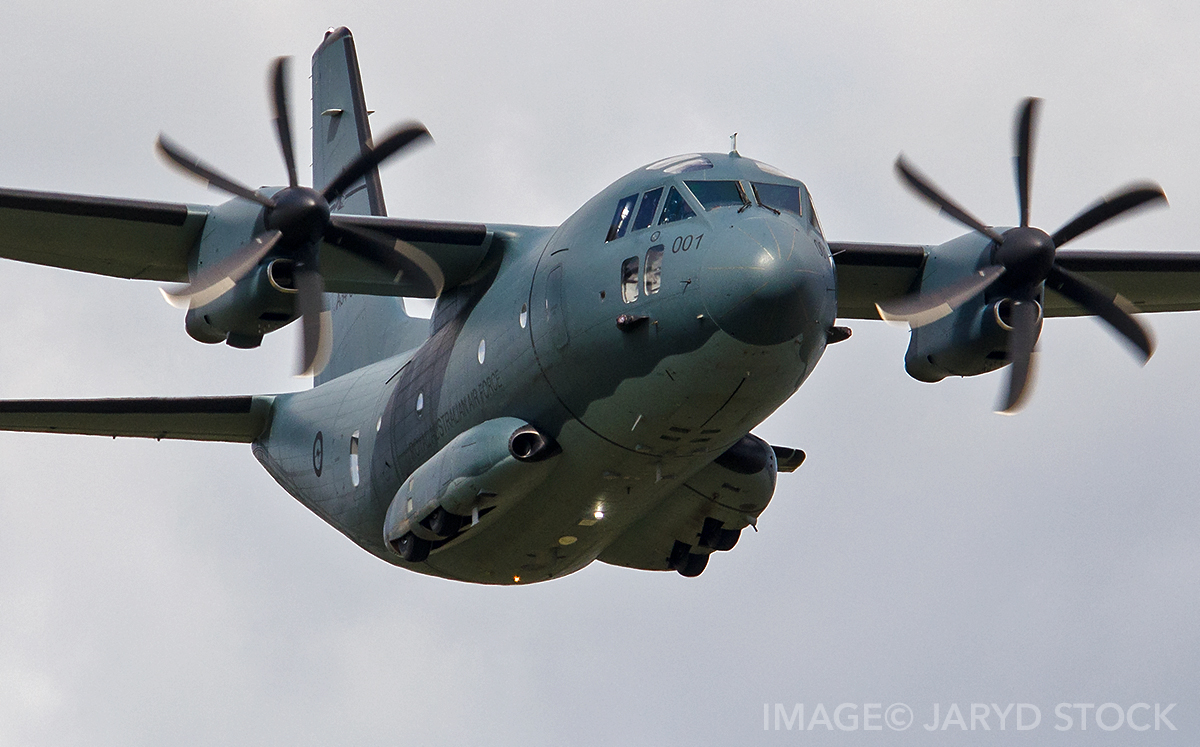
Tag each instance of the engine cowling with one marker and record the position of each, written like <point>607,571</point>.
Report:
<point>974,338</point>
<point>261,302</point>
<point>969,342</point>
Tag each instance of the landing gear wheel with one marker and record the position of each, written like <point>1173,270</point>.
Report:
<point>727,539</point>
<point>412,548</point>
<point>443,523</point>
<point>694,565</point>
<point>710,533</point>
<point>679,555</point>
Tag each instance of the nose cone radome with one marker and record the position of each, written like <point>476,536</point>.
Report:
<point>765,281</point>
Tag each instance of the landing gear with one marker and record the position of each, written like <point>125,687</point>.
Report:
<point>412,548</point>
<point>688,563</point>
<point>714,535</point>
<point>443,523</point>
<point>727,539</point>
<point>694,565</point>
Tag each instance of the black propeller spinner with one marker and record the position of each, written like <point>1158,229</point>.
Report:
<point>296,219</point>
<point>1023,258</point>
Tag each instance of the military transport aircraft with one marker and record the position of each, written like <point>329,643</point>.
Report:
<point>582,392</point>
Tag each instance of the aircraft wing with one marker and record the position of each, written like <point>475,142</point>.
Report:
<point>869,273</point>
<point>1153,281</point>
<point>442,255</point>
<point>230,419</point>
<point>146,240</point>
<point>101,235</point>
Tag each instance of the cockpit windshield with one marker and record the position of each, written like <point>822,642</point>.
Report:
<point>719,194</point>
<point>676,208</point>
<point>778,197</point>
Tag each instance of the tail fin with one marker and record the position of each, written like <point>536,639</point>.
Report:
<point>365,328</point>
<point>340,124</point>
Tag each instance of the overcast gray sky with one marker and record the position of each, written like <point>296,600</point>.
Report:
<point>929,552</point>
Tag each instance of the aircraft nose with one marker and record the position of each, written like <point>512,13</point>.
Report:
<point>765,280</point>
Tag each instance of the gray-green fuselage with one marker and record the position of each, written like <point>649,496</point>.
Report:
<point>644,351</point>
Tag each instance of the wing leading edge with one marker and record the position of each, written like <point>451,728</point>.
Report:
<point>1152,281</point>
<point>230,419</point>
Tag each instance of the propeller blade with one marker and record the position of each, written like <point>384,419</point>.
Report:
<point>920,309</point>
<point>922,186</point>
<point>377,251</point>
<point>216,280</point>
<point>283,128</point>
<point>372,157</point>
<point>190,164</point>
<point>1107,208</point>
<point>316,320</point>
<point>1021,342</point>
<point>1023,160</point>
<point>1104,303</point>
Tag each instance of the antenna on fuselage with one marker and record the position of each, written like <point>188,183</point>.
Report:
<point>733,145</point>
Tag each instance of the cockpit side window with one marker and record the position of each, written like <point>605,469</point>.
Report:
<point>649,208</point>
<point>676,208</point>
<point>718,194</point>
<point>620,221</point>
<point>812,213</point>
<point>778,197</point>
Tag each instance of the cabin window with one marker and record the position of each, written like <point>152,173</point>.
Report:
<point>653,274</point>
<point>629,280</point>
<point>676,208</point>
<point>649,208</point>
<point>718,194</point>
<point>778,197</point>
<point>620,221</point>
<point>354,459</point>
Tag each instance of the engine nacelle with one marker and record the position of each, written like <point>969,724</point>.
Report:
<point>261,302</point>
<point>973,339</point>
<point>485,467</point>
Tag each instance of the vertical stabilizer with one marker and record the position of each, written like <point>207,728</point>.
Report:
<point>365,328</point>
<point>340,122</point>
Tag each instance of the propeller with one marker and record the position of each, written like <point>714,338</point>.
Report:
<point>296,219</point>
<point>1022,260</point>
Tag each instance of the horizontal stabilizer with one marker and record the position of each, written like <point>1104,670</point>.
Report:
<point>231,419</point>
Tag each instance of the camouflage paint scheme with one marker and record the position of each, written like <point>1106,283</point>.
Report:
<point>638,386</point>
<point>640,414</point>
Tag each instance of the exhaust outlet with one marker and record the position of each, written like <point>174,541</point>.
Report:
<point>528,444</point>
